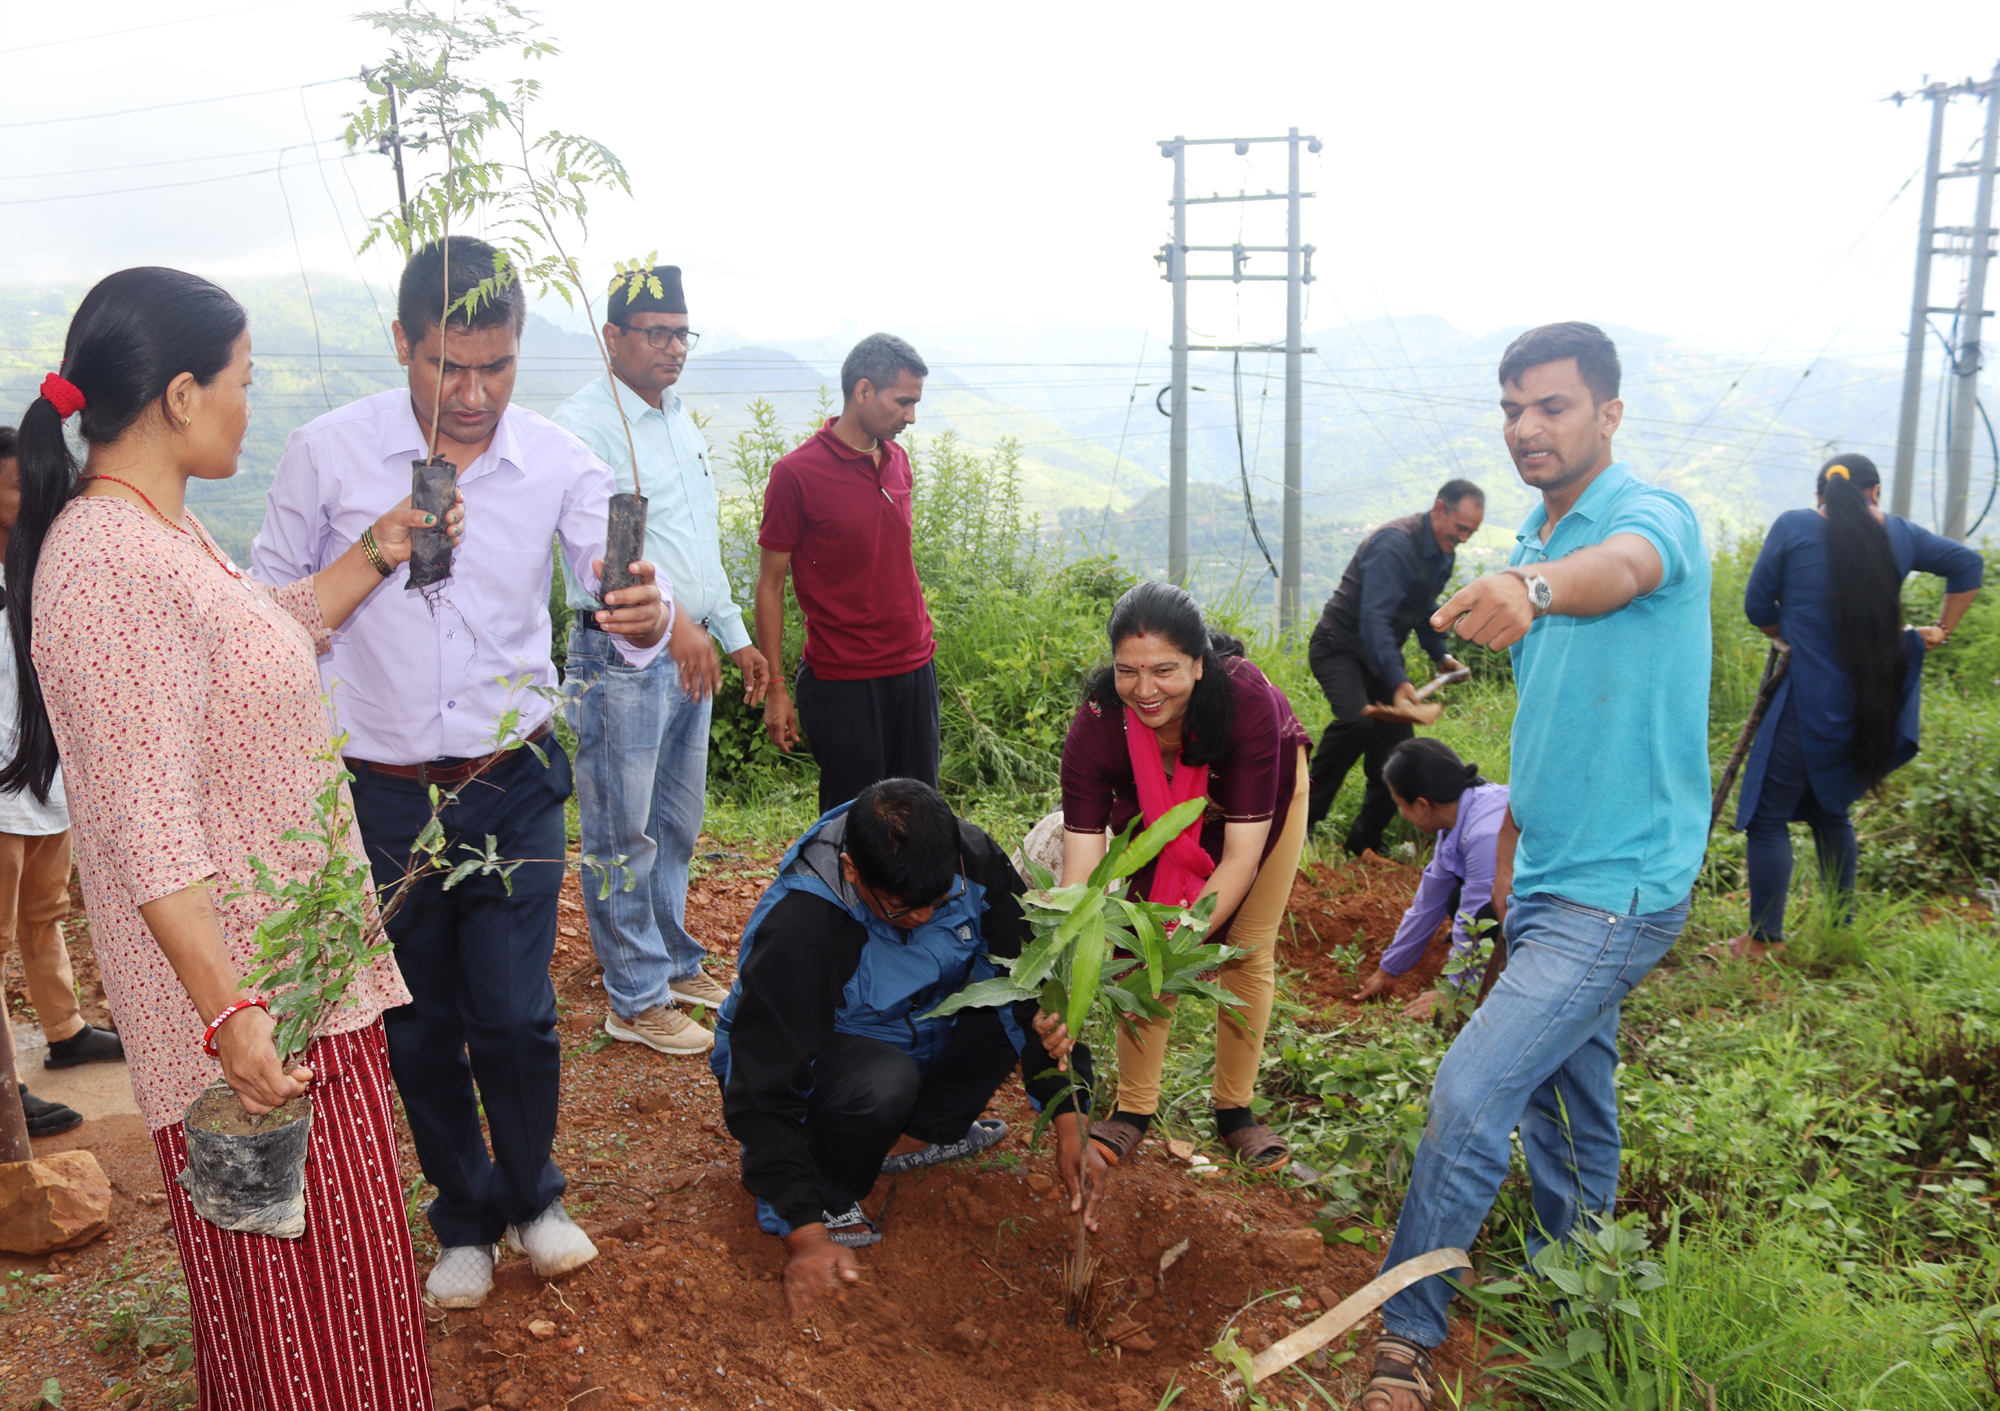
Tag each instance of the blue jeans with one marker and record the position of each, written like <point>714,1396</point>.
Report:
<point>641,773</point>
<point>1786,798</point>
<point>1538,1055</point>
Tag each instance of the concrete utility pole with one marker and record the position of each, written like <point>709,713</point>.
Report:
<point>1176,258</point>
<point>1965,397</point>
<point>1295,298</point>
<point>1298,274</point>
<point>1913,356</point>
<point>1974,242</point>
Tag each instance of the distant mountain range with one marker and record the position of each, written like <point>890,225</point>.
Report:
<point>1391,409</point>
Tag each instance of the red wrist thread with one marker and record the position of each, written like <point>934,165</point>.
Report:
<point>215,1024</point>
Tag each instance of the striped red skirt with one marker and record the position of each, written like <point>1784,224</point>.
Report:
<point>331,1321</point>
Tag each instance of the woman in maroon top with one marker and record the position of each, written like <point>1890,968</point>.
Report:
<point>1180,711</point>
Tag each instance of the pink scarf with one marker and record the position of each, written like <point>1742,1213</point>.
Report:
<point>1183,865</point>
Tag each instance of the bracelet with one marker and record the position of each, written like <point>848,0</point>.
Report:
<point>380,564</point>
<point>215,1024</point>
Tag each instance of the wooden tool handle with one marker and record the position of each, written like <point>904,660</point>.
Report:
<point>1344,1315</point>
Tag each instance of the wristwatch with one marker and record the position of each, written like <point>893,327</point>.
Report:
<point>1540,595</point>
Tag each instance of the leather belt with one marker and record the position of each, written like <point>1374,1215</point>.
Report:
<point>447,772</point>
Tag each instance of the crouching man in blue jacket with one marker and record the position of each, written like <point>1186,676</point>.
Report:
<point>831,1074</point>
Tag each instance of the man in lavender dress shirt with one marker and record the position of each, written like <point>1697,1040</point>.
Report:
<point>420,681</point>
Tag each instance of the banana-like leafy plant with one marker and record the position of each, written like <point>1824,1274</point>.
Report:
<point>1094,945</point>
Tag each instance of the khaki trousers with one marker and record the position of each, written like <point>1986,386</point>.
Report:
<point>1251,977</point>
<point>34,898</point>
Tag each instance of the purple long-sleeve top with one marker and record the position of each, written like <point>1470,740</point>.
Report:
<point>1463,862</point>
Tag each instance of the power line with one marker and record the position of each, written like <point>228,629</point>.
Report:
<point>161,162</point>
<point>138,28</point>
<point>180,103</point>
<point>158,186</point>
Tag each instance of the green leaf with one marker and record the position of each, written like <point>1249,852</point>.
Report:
<point>1055,999</point>
<point>1149,844</point>
<point>1102,874</point>
<point>982,994</point>
<point>1085,965</point>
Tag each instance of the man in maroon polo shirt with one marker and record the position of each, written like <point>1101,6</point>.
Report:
<point>837,517</point>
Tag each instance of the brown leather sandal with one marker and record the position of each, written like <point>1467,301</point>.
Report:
<point>1259,1148</point>
<point>1117,1140</point>
<point>1400,1365</point>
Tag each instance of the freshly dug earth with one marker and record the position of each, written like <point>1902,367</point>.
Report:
<point>1339,923</point>
<point>960,1305</point>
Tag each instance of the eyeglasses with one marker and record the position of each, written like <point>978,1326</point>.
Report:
<point>957,890</point>
<point>665,337</point>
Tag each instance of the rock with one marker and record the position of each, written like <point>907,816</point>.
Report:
<point>1130,1334</point>
<point>453,1401</point>
<point>1180,1150</point>
<point>632,1229</point>
<point>967,1338</point>
<point>541,1329</point>
<point>1258,1340</point>
<point>511,1396</point>
<point>152,1198</point>
<point>1294,1249</point>
<point>58,1202</point>
<point>640,1329</point>
<point>1040,1182</point>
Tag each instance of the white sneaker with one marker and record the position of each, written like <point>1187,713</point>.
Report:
<point>663,1028</point>
<point>699,988</point>
<point>553,1243</point>
<point>462,1277</point>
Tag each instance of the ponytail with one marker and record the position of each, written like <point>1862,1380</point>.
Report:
<point>48,480</point>
<point>1866,595</point>
<point>132,335</point>
<point>1428,769</point>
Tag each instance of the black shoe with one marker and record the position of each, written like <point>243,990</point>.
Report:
<point>86,1045</point>
<point>48,1119</point>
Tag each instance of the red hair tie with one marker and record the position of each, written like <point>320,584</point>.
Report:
<point>62,394</point>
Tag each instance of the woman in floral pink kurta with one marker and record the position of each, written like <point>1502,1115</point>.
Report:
<point>184,701</point>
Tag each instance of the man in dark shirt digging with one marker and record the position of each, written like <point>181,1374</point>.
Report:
<point>1391,586</point>
<point>831,1071</point>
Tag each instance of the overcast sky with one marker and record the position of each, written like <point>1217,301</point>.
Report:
<point>1721,173</point>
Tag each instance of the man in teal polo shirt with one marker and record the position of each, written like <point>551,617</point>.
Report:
<point>1605,608</point>
<point>642,734</point>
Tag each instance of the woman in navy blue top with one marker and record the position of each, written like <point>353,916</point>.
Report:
<point>1846,713</point>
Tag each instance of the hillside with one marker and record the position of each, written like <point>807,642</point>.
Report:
<point>1392,408</point>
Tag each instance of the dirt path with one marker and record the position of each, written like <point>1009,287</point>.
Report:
<point>960,1306</point>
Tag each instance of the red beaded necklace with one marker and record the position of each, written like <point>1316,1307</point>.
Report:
<point>227,567</point>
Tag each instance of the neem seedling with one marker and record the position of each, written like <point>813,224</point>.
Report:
<point>442,108</point>
<point>530,201</point>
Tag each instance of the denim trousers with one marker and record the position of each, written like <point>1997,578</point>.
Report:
<point>1540,1056</point>
<point>641,774</point>
<point>1787,797</point>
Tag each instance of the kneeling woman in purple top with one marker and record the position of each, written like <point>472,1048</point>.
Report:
<point>1180,714</point>
<point>1442,795</point>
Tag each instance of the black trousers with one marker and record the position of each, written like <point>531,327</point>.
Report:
<point>867,1093</point>
<point>862,732</point>
<point>483,1010</point>
<point>1350,685</point>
